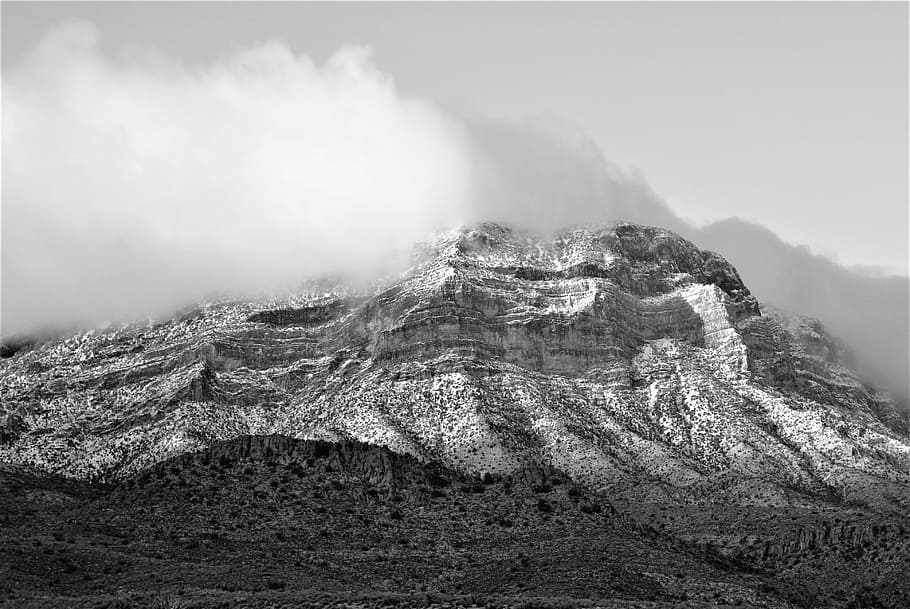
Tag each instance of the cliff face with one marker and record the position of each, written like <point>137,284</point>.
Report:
<point>624,356</point>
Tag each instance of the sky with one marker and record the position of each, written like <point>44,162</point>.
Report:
<point>792,115</point>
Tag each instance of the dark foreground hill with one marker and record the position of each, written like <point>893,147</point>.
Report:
<point>275,522</point>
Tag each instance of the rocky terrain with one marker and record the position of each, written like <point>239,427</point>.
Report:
<point>269,521</point>
<point>727,437</point>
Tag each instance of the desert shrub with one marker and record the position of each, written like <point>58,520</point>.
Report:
<point>124,602</point>
<point>437,479</point>
<point>544,506</point>
<point>543,487</point>
<point>473,488</point>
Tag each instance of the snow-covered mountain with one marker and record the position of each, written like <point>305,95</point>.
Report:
<point>624,356</point>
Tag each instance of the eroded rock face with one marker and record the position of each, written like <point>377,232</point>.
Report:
<point>624,356</point>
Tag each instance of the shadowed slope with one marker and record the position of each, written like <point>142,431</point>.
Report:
<point>272,521</point>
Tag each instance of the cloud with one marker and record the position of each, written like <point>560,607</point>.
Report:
<point>545,174</point>
<point>135,185</point>
<point>132,185</point>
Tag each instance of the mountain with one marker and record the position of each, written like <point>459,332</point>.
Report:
<point>268,521</point>
<point>620,354</point>
<point>253,520</point>
<point>793,278</point>
<point>622,360</point>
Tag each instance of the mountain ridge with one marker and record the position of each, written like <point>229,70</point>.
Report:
<point>620,354</point>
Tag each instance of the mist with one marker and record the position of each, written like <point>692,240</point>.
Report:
<point>134,184</point>
<point>544,174</point>
<point>869,313</point>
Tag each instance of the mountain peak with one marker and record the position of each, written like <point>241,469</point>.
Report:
<point>623,355</point>
<point>644,260</point>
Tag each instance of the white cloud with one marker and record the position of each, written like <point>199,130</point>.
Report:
<point>136,185</point>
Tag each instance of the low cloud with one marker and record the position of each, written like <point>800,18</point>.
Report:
<point>869,312</point>
<point>136,185</point>
<point>546,175</point>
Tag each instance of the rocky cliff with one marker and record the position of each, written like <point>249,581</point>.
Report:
<point>623,356</point>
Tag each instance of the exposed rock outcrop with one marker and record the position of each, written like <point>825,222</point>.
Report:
<point>624,356</point>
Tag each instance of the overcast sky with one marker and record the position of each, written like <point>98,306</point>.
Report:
<point>792,115</point>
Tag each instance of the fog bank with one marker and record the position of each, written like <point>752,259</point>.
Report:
<point>135,184</point>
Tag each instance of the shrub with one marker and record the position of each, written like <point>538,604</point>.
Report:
<point>437,479</point>
<point>125,602</point>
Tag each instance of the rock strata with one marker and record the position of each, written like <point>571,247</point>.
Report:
<point>623,356</point>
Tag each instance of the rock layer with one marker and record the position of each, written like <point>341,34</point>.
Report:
<point>624,356</point>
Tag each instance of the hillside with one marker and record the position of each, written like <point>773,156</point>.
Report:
<point>269,521</point>
<point>604,416</point>
<point>617,354</point>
